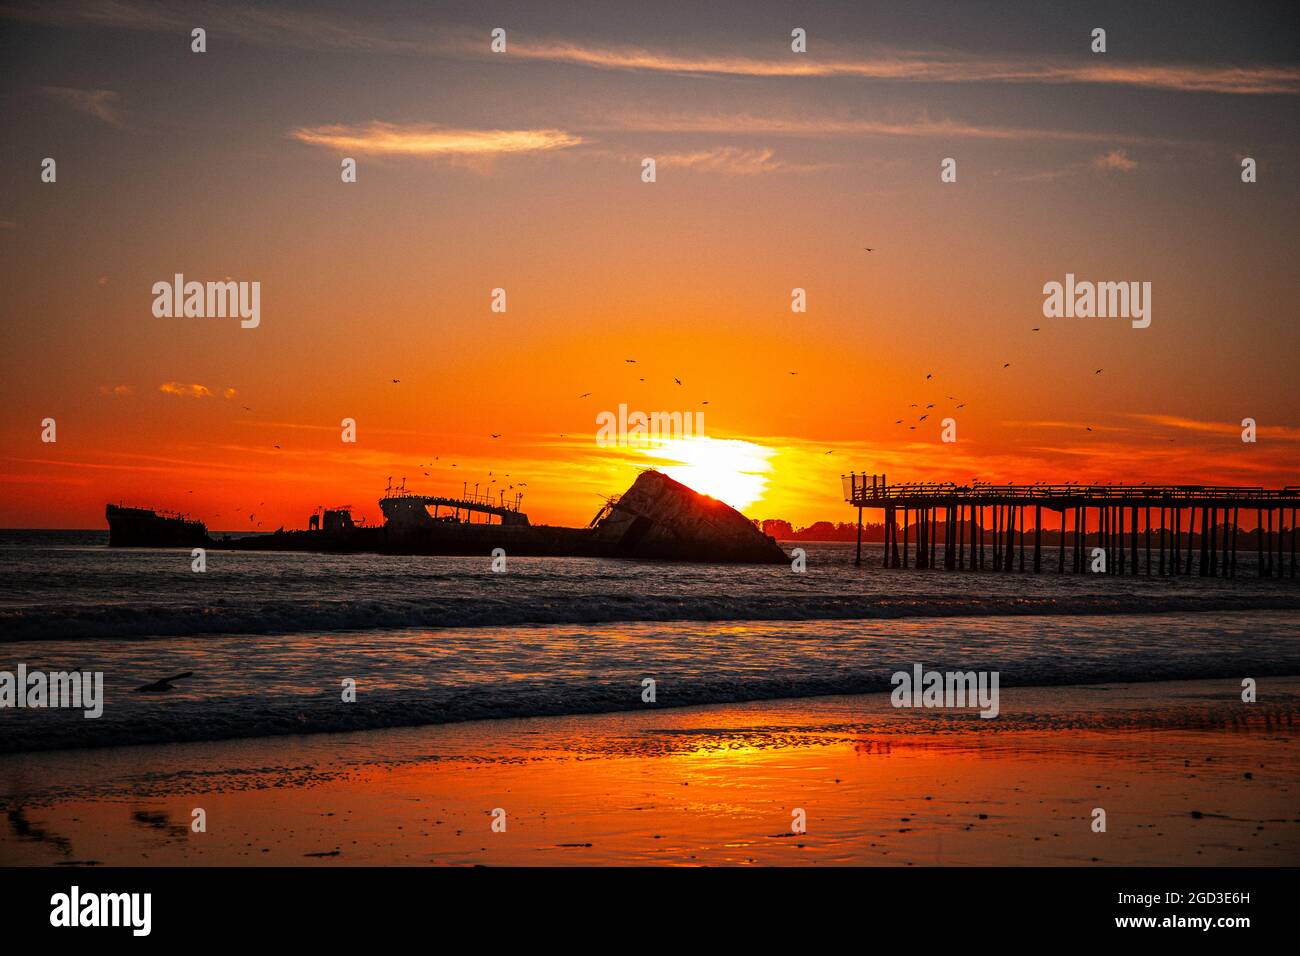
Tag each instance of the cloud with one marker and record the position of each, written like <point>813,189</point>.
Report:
<point>432,140</point>
<point>188,391</point>
<point>1278,432</point>
<point>920,127</point>
<point>926,67</point>
<point>730,160</point>
<point>1115,160</point>
<point>102,104</point>
<point>278,28</point>
<point>228,393</point>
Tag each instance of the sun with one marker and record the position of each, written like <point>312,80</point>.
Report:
<point>732,470</point>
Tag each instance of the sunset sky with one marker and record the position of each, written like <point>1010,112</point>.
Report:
<point>522,170</point>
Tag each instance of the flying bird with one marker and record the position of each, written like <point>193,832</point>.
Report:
<point>869,248</point>
<point>584,395</point>
<point>396,381</point>
<point>496,434</point>
<point>1006,365</point>
<point>1098,372</point>
<point>163,685</point>
<point>630,361</point>
<point>677,380</point>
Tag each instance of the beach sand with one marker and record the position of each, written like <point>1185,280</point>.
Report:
<point>1186,773</point>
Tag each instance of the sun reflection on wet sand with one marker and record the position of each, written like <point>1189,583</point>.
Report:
<point>715,785</point>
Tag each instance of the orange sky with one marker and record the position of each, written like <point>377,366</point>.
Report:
<point>522,170</point>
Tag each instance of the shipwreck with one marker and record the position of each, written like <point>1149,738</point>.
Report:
<point>657,518</point>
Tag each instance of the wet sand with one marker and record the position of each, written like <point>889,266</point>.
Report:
<point>1186,772</point>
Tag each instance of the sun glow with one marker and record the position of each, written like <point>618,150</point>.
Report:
<point>732,470</point>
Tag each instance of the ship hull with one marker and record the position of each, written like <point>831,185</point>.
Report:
<point>140,528</point>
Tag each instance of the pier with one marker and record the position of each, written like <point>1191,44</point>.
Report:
<point>1139,529</point>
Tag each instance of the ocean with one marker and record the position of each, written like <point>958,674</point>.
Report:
<point>272,637</point>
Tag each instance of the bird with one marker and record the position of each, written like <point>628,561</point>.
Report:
<point>585,395</point>
<point>962,405</point>
<point>794,373</point>
<point>496,435</point>
<point>831,452</point>
<point>163,685</point>
<point>1089,428</point>
<point>396,381</point>
<point>899,422</point>
<point>677,380</point>
<point>869,248</point>
<point>1098,372</point>
<point>705,402</point>
<point>923,418</point>
<point>1006,365</point>
<point>931,405</point>
<point>630,361</point>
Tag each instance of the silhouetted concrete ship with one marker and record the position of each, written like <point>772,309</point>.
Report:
<point>657,518</point>
<point>142,528</point>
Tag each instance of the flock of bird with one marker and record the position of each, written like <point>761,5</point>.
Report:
<point>924,416</point>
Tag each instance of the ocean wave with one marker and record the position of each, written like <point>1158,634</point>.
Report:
<point>75,622</point>
<point>241,719</point>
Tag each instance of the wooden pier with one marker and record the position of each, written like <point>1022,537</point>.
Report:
<point>1139,529</point>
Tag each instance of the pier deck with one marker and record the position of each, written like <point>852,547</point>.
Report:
<point>942,516</point>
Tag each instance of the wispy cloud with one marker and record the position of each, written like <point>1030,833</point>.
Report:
<point>927,67</point>
<point>1281,432</point>
<point>186,391</point>
<point>101,104</point>
<point>828,127</point>
<point>283,27</point>
<point>732,160</point>
<point>432,140</point>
